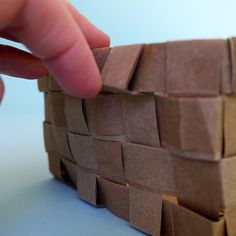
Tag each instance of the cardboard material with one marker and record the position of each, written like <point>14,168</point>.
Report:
<point>49,140</point>
<point>53,84</point>
<point>47,109</point>
<point>104,115</point>
<point>109,159</point>
<point>115,197</point>
<point>195,67</point>
<point>82,148</point>
<point>191,127</point>
<point>55,165</point>
<point>57,105</point>
<point>70,170</point>
<point>43,84</point>
<point>145,209</point>
<point>62,143</point>
<point>139,112</point>
<point>120,66</point>
<point>229,126</point>
<point>206,187</point>
<point>100,55</point>
<point>75,115</point>
<point>233,62</point>
<point>149,167</point>
<point>188,223</point>
<point>230,217</point>
<point>150,74</point>
<point>87,185</point>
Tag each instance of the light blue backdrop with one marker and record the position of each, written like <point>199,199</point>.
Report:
<point>31,203</point>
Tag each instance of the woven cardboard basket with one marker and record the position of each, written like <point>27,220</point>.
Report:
<point>157,146</point>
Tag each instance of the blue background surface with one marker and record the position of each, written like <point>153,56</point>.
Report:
<point>31,201</point>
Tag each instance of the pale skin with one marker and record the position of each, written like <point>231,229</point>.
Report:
<point>60,40</point>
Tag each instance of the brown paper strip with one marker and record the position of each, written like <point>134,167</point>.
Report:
<point>191,127</point>
<point>109,159</point>
<point>49,140</point>
<point>150,74</point>
<point>100,55</point>
<point>75,116</point>
<point>230,125</point>
<point>57,106</point>
<point>104,115</point>
<point>82,148</point>
<point>115,197</point>
<point>70,170</point>
<point>120,66</point>
<point>87,185</point>
<point>139,114</point>
<point>195,67</point>
<point>145,209</point>
<point>47,109</point>
<point>230,217</point>
<point>43,84</point>
<point>149,167</point>
<point>55,165</point>
<point>53,84</point>
<point>233,61</point>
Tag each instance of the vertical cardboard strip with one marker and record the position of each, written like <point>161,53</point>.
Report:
<point>43,84</point>
<point>104,114</point>
<point>149,167</point>
<point>229,126</point>
<point>230,217</point>
<point>70,169</point>
<point>82,148</point>
<point>120,66</point>
<point>110,161</point>
<point>49,140</point>
<point>55,166</point>
<point>145,210</point>
<point>53,84</point>
<point>57,106</point>
<point>140,119</point>
<point>233,61</point>
<point>200,186</point>
<point>87,185</point>
<point>115,197</point>
<point>47,109</point>
<point>75,117</point>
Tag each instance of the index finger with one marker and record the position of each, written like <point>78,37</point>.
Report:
<point>48,29</point>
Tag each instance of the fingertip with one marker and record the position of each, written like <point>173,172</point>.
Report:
<point>1,90</point>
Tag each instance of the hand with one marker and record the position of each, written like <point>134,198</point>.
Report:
<point>59,38</point>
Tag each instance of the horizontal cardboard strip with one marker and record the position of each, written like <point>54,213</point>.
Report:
<point>189,126</point>
<point>115,197</point>
<point>149,167</point>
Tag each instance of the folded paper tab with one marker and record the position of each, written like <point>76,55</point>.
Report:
<point>145,210</point>
<point>43,84</point>
<point>149,167</point>
<point>110,161</point>
<point>230,125</point>
<point>120,66</point>
<point>75,115</point>
<point>150,74</point>
<point>189,223</point>
<point>87,185</point>
<point>191,127</point>
<point>140,119</point>
<point>206,187</point>
<point>100,55</point>
<point>115,197</point>
<point>82,148</point>
<point>57,106</point>
<point>62,143</point>
<point>195,67</point>
<point>104,114</point>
